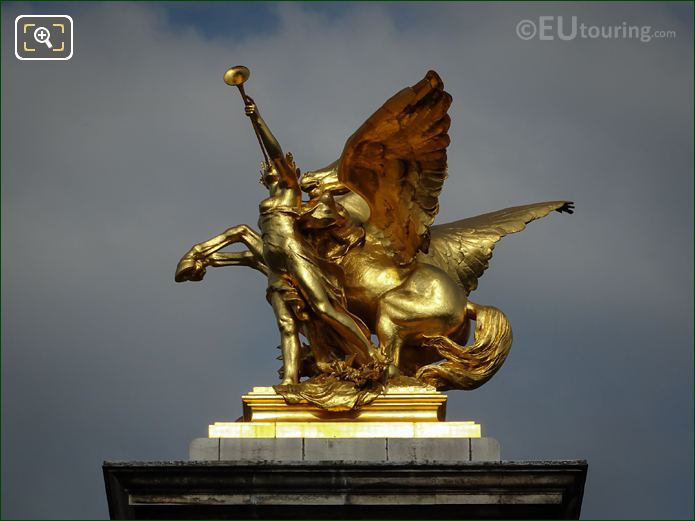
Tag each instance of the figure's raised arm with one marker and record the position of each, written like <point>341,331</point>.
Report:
<point>270,143</point>
<point>284,165</point>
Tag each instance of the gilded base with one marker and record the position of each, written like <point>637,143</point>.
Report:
<point>397,404</point>
<point>401,412</point>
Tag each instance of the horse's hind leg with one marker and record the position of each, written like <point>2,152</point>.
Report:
<point>392,315</point>
<point>427,304</point>
<point>390,341</point>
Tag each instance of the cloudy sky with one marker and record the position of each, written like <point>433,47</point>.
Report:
<point>114,163</point>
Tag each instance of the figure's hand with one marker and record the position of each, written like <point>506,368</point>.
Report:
<point>190,267</point>
<point>251,109</point>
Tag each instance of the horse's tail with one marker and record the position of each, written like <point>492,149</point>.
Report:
<point>469,367</point>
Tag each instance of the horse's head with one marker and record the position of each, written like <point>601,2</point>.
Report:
<point>316,182</point>
<point>312,182</point>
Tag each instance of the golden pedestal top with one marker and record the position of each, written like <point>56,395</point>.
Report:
<point>397,404</point>
<point>401,412</point>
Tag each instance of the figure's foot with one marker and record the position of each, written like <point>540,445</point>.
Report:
<point>290,377</point>
<point>392,371</point>
<point>378,356</point>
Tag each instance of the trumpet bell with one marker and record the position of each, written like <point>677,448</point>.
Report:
<point>236,75</point>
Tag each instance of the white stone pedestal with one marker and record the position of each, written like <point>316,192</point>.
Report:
<point>402,450</point>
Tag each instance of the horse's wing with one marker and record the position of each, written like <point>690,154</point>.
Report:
<point>397,162</point>
<point>463,248</point>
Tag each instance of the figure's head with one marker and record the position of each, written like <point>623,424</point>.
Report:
<point>269,174</point>
<point>313,181</point>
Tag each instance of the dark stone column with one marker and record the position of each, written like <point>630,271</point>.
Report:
<point>345,490</point>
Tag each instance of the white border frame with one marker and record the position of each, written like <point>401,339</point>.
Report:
<point>16,39</point>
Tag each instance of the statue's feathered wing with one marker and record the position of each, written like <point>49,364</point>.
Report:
<point>396,161</point>
<point>464,248</point>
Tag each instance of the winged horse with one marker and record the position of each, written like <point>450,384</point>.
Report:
<point>408,280</point>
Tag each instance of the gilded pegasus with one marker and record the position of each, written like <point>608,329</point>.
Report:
<point>406,279</point>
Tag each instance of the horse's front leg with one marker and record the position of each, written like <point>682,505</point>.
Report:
<point>241,233</point>
<point>192,264</point>
<point>238,258</point>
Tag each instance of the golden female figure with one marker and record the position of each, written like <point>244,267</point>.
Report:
<point>295,280</point>
<point>291,259</point>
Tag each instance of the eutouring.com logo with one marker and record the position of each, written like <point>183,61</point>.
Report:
<point>561,28</point>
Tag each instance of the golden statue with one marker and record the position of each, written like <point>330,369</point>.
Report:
<point>362,257</point>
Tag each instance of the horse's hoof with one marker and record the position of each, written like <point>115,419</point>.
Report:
<point>189,268</point>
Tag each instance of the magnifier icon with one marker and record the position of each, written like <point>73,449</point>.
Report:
<point>43,35</point>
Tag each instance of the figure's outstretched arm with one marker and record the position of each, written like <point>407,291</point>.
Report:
<point>267,138</point>
<point>284,165</point>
